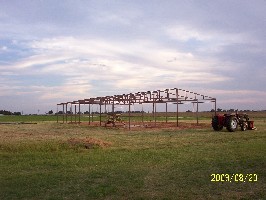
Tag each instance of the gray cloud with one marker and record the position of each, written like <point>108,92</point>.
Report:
<point>86,46</point>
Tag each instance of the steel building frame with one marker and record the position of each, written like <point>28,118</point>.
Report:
<point>175,96</point>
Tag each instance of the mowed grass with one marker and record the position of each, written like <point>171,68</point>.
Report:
<point>39,162</point>
<point>40,118</point>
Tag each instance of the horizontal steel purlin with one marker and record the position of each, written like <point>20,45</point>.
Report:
<point>156,96</point>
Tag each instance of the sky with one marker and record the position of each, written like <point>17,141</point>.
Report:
<point>54,51</point>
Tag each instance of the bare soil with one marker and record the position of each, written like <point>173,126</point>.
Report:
<point>152,125</point>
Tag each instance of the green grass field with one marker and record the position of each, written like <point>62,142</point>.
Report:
<point>41,161</point>
<point>124,116</point>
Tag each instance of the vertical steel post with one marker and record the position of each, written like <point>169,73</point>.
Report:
<point>177,107</point>
<point>129,114</point>
<point>79,113</point>
<point>142,114</point>
<point>71,113</point>
<point>75,113</point>
<point>153,107</point>
<point>113,106</point>
<point>100,114</point>
<point>66,112</point>
<point>92,114</point>
<point>197,112</point>
<point>155,114</point>
<point>63,113</point>
<point>153,110</point>
<point>166,115</point>
<point>89,114</point>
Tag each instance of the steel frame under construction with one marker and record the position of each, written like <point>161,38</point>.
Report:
<point>175,96</point>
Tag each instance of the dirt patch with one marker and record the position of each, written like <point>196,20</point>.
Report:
<point>181,125</point>
<point>153,125</point>
<point>88,143</point>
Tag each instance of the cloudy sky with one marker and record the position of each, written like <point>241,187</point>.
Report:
<point>54,51</point>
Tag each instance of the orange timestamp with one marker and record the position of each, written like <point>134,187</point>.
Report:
<point>234,177</point>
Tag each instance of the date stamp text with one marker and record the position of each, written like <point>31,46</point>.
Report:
<point>240,177</point>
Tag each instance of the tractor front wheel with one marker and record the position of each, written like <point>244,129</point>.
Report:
<point>244,126</point>
<point>231,124</point>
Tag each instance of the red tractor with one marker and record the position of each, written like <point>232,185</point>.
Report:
<point>231,122</point>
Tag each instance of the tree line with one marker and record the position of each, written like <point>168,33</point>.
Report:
<point>5,112</point>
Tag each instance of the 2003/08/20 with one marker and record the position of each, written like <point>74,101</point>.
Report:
<point>234,177</point>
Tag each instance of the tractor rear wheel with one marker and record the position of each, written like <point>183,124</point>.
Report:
<point>215,124</point>
<point>231,124</point>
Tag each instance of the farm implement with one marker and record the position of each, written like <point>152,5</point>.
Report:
<point>114,119</point>
<point>232,122</point>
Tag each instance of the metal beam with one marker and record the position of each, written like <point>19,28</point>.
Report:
<point>172,95</point>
